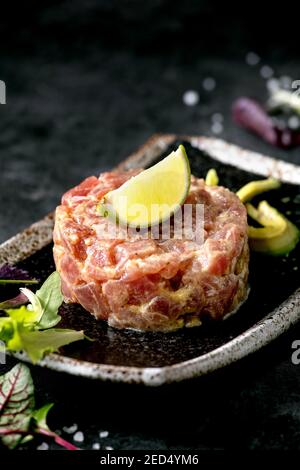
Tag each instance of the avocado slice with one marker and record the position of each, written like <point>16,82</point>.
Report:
<point>252,189</point>
<point>212,178</point>
<point>277,236</point>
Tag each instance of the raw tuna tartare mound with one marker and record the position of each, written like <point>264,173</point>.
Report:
<point>150,284</point>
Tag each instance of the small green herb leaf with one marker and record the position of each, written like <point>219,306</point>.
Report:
<point>6,329</point>
<point>46,301</point>
<point>51,298</point>
<point>40,415</point>
<point>35,304</point>
<point>38,343</point>
<point>16,404</point>
<point>30,328</point>
<point>23,315</point>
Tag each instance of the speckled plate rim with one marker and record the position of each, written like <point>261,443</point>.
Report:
<point>270,327</point>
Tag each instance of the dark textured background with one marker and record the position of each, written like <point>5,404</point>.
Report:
<point>87,83</point>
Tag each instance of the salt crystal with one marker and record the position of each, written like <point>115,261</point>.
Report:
<point>190,97</point>
<point>295,268</point>
<point>286,82</point>
<point>217,117</point>
<point>273,84</point>
<point>43,446</point>
<point>266,71</point>
<point>294,122</point>
<point>78,436</point>
<point>96,446</point>
<point>217,128</point>
<point>109,448</point>
<point>103,434</point>
<point>209,84</point>
<point>252,58</point>
<point>70,429</point>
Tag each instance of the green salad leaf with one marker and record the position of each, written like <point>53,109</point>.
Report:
<point>40,415</point>
<point>38,343</point>
<point>23,315</point>
<point>46,301</point>
<point>16,404</point>
<point>19,421</point>
<point>30,328</point>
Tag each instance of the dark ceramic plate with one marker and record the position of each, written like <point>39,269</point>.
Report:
<point>272,307</point>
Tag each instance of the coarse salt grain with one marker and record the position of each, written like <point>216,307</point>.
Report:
<point>273,84</point>
<point>70,429</point>
<point>294,122</point>
<point>209,84</point>
<point>78,436</point>
<point>286,81</point>
<point>109,448</point>
<point>217,117</point>
<point>96,446</point>
<point>266,71</point>
<point>217,128</point>
<point>190,97</point>
<point>43,446</point>
<point>103,434</point>
<point>252,58</point>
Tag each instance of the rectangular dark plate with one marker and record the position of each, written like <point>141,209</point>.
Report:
<point>272,307</point>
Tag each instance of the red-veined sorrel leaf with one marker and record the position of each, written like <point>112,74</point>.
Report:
<point>16,403</point>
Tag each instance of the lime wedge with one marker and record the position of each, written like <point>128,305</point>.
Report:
<point>152,196</point>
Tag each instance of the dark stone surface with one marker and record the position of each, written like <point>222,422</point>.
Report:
<point>271,282</point>
<point>85,87</point>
